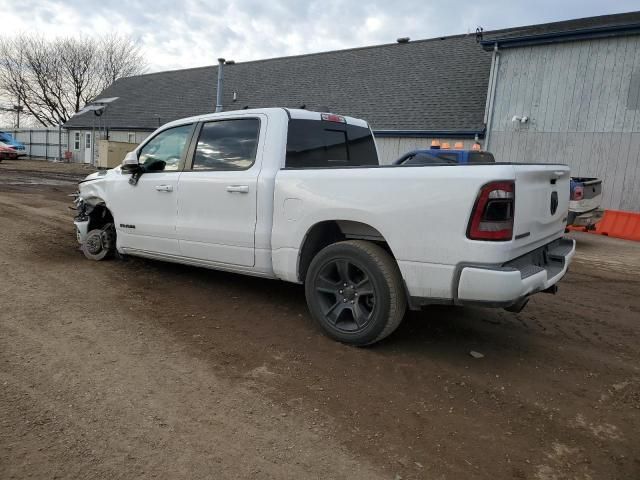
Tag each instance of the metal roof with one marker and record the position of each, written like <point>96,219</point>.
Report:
<point>569,30</point>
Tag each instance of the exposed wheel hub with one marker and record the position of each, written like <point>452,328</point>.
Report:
<point>94,244</point>
<point>99,243</point>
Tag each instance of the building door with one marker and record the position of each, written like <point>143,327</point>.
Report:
<point>88,157</point>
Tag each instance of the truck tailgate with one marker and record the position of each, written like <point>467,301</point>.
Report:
<point>542,202</point>
<point>591,195</point>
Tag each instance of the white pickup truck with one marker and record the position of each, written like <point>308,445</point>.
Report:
<point>299,196</point>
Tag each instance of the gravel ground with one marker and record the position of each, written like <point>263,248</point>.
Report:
<point>141,369</point>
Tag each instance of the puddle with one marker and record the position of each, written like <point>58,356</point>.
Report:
<point>16,180</point>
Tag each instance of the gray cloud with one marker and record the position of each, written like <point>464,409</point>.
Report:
<point>196,32</point>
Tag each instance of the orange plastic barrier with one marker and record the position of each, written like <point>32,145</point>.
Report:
<point>573,228</point>
<point>619,224</point>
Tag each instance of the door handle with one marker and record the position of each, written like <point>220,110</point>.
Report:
<point>164,188</point>
<point>238,188</point>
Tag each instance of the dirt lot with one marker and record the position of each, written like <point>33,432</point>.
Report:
<point>140,369</point>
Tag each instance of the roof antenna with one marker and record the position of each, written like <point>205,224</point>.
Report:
<point>303,106</point>
<point>479,31</point>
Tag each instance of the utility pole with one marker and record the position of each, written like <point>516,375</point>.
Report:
<point>219,88</point>
<point>18,108</point>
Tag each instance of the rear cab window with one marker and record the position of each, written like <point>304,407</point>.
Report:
<point>322,144</point>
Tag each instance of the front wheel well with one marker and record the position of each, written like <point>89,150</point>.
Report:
<point>99,216</point>
<point>325,233</point>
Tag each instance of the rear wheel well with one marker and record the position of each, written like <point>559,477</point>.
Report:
<point>323,234</point>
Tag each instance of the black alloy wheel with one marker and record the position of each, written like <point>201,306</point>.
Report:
<point>346,294</point>
<point>355,292</point>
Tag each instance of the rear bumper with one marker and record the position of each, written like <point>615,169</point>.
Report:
<point>508,284</point>
<point>586,219</point>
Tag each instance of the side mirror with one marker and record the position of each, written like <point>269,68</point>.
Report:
<point>155,166</point>
<point>130,162</point>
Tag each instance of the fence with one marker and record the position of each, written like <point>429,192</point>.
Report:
<point>47,143</point>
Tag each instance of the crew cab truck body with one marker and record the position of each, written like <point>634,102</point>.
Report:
<point>299,196</point>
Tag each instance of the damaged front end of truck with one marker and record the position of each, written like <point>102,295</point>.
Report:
<point>95,229</point>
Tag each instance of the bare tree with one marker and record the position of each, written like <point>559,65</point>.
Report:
<point>53,79</point>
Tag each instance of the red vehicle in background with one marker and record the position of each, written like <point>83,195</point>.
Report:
<point>7,152</point>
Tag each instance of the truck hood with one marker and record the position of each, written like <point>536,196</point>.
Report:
<point>101,174</point>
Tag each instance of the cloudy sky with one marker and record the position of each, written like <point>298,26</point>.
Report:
<point>190,33</point>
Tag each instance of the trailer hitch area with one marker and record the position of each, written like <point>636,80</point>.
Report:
<point>518,306</point>
<point>553,289</point>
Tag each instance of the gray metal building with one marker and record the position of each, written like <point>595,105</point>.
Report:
<point>570,94</point>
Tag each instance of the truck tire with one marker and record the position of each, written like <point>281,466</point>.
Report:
<point>355,292</point>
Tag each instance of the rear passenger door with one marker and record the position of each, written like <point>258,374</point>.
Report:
<point>217,192</point>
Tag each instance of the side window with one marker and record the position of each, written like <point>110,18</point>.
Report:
<point>167,146</point>
<point>316,144</point>
<point>227,145</point>
<point>76,141</point>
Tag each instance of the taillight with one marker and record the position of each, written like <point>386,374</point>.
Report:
<point>577,193</point>
<point>332,117</point>
<point>492,215</point>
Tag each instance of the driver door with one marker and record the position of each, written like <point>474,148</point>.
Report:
<point>146,213</point>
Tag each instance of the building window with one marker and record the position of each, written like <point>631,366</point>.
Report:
<point>87,141</point>
<point>132,137</point>
<point>76,141</point>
